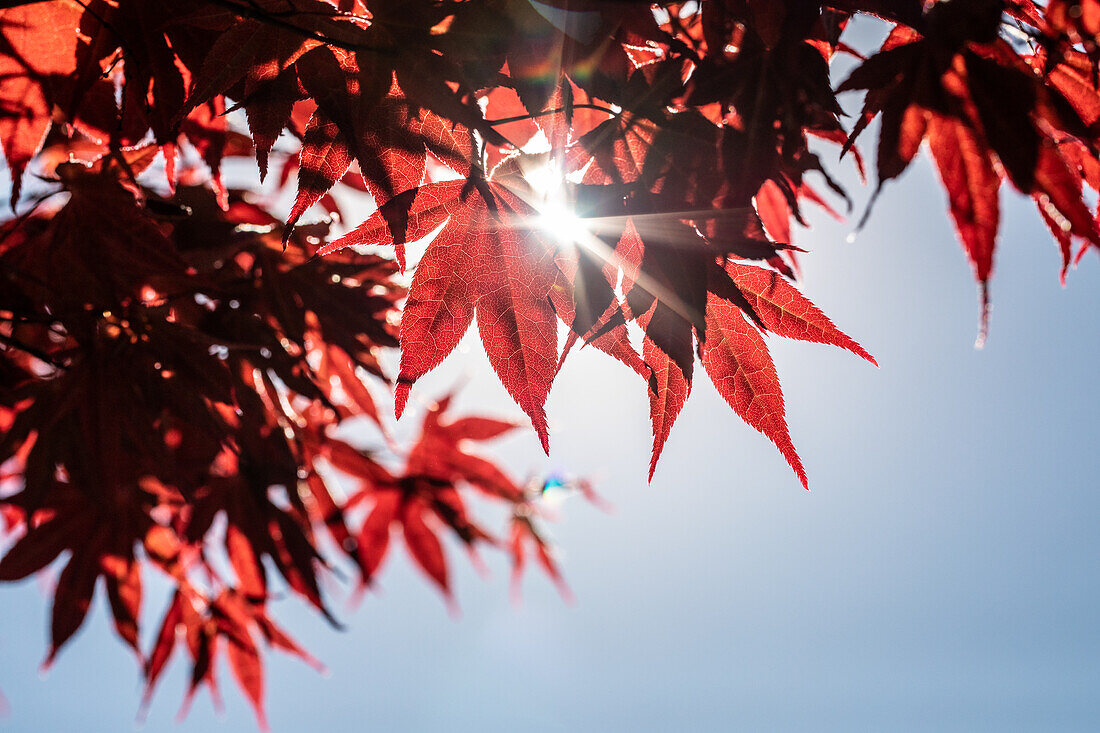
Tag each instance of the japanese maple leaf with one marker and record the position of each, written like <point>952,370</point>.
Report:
<point>416,503</point>
<point>440,452</point>
<point>376,127</point>
<point>487,259</point>
<point>257,528</point>
<point>254,62</point>
<point>674,267</point>
<point>973,189</point>
<point>361,114</point>
<point>228,619</point>
<point>736,357</point>
<point>738,302</point>
<point>98,546</point>
<point>155,75</point>
<point>666,281</point>
<point>523,533</point>
<point>983,111</point>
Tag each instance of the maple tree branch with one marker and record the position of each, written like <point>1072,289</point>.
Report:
<point>252,11</point>
<point>521,118</point>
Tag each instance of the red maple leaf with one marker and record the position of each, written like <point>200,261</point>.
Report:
<point>626,175</point>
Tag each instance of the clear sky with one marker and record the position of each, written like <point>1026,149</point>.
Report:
<point>942,574</point>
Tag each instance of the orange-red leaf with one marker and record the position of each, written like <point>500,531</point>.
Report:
<point>737,360</point>
<point>668,391</point>
<point>71,599</point>
<point>423,544</point>
<point>787,312</point>
<point>374,537</point>
<point>407,217</point>
<point>324,160</point>
<point>38,548</point>
<point>123,580</point>
<point>441,303</point>
<point>244,660</point>
<point>973,187</point>
<point>518,326</point>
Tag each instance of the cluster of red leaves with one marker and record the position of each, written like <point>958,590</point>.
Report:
<point>680,137</point>
<point>622,173</point>
<point>171,379</point>
<point>991,111</point>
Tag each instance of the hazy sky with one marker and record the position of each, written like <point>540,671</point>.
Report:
<point>942,574</point>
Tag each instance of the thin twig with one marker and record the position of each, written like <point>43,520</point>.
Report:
<point>256,13</point>
<point>521,118</point>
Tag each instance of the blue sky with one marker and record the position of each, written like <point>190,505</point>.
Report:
<point>943,573</point>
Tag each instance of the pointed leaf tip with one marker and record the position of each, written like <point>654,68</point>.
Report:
<point>785,311</point>
<point>740,366</point>
<point>400,397</point>
<point>543,433</point>
<point>983,317</point>
<point>668,391</point>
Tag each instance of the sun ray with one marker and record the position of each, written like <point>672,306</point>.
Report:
<point>547,193</point>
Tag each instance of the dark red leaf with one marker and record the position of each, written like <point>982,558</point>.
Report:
<point>737,361</point>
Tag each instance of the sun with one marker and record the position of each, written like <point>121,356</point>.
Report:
<point>556,216</point>
<point>561,223</point>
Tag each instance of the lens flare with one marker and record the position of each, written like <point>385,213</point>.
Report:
<point>556,216</point>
